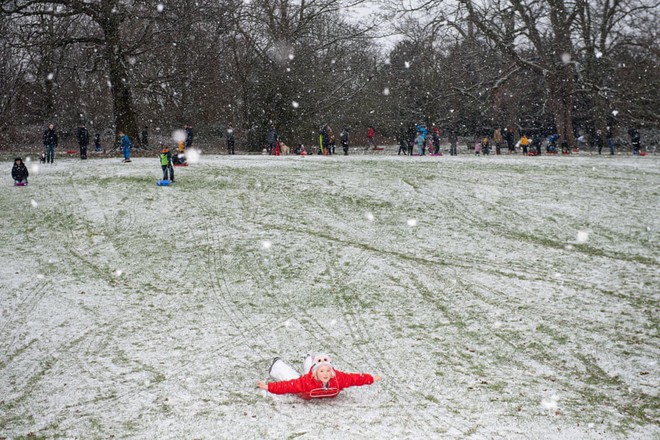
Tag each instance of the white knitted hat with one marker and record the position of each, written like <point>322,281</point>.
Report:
<point>321,359</point>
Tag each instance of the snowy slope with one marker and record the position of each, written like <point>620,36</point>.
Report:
<point>500,298</point>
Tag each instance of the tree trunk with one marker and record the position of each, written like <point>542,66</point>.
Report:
<point>122,99</point>
<point>560,84</point>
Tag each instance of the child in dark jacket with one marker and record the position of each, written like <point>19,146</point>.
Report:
<point>321,380</point>
<point>19,172</point>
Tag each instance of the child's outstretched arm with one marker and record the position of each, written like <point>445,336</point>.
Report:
<point>262,385</point>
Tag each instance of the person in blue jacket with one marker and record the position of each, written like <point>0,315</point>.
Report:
<point>423,131</point>
<point>125,146</point>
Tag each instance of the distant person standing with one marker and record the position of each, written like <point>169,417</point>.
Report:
<point>435,138</point>
<point>453,143</point>
<point>610,140</point>
<point>231,140</point>
<point>509,138</point>
<point>271,139</point>
<point>125,146</point>
<point>344,138</point>
<point>497,139</point>
<point>371,133</point>
<point>97,142</point>
<point>189,136</point>
<point>50,143</point>
<point>83,140</point>
<point>419,141</point>
<point>635,140</point>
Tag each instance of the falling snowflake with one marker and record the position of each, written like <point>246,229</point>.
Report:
<point>412,222</point>
<point>615,112</point>
<point>386,91</point>
<point>160,7</point>
<point>266,244</point>
<point>287,323</point>
<point>369,216</point>
<point>550,402</point>
<point>598,54</point>
<point>291,56</point>
<point>295,104</point>
<point>34,203</point>
<point>582,236</point>
<point>178,136</point>
<point>118,272</point>
<point>193,155</point>
<point>407,64</point>
<point>566,58</point>
<point>50,76</point>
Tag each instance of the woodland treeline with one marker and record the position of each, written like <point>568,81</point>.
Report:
<point>535,65</point>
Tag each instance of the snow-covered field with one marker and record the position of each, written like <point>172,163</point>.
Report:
<point>500,298</point>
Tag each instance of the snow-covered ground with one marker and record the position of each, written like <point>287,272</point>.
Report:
<point>500,298</point>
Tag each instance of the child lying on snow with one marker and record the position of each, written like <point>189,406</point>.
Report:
<point>321,379</point>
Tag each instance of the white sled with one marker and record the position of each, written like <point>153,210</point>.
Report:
<point>280,371</point>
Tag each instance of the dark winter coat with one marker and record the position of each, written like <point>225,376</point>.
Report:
<point>309,388</point>
<point>271,138</point>
<point>344,137</point>
<point>82,136</point>
<point>19,171</point>
<point>50,137</point>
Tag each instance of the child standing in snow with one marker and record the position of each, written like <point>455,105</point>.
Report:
<point>19,172</point>
<point>321,380</point>
<point>419,141</point>
<point>166,163</point>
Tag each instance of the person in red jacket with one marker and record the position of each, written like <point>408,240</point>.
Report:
<point>320,381</point>
<point>371,143</point>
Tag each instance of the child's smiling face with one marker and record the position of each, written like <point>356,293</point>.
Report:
<point>324,373</point>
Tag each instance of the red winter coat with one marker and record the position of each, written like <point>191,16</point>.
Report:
<point>309,388</point>
<point>370,133</point>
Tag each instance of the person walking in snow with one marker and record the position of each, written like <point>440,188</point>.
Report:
<point>231,140</point>
<point>125,146</point>
<point>19,172</point>
<point>403,144</point>
<point>50,143</point>
<point>320,379</point>
<point>344,139</point>
<point>189,136</point>
<point>83,140</point>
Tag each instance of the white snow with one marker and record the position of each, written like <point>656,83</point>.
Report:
<point>129,310</point>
